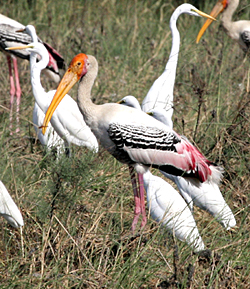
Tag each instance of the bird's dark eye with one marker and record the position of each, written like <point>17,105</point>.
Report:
<point>79,63</point>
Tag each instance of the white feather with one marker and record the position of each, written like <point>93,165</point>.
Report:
<point>167,206</point>
<point>8,208</point>
<point>67,120</point>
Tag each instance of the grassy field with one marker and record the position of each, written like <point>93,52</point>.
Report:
<point>78,212</point>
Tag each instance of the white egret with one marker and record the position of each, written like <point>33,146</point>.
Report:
<point>68,121</point>
<point>161,92</point>
<point>50,140</point>
<point>167,207</point>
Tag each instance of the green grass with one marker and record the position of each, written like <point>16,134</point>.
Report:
<point>78,212</point>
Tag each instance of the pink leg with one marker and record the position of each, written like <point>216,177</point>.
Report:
<point>142,201</point>
<point>18,93</point>
<point>137,211</point>
<point>12,90</point>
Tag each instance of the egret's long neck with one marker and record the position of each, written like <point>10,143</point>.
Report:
<point>173,57</point>
<point>161,92</point>
<point>33,35</point>
<point>227,15</point>
<point>35,73</point>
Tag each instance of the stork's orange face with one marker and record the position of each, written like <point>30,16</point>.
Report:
<point>78,68</point>
<point>78,65</point>
<point>218,8</point>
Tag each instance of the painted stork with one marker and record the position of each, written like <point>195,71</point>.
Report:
<point>238,30</point>
<point>131,136</point>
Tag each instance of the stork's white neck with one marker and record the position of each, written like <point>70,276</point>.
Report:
<point>227,15</point>
<point>86,106</point>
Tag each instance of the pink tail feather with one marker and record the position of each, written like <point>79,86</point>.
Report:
<point>201,166</point>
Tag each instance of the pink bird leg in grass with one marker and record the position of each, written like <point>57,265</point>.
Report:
<point>139,199</point>
<point>14,91</point>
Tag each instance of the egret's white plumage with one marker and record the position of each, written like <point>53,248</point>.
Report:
<point>161,92</point>
<point>168,207</point>
<point>67,122</point>
<point>50,139</point>
<point>130,101</point>
<point>238,30</point>
<point>208,197</point>
<point>8,208</point>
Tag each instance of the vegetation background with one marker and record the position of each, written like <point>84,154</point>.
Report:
<point>78,212</point>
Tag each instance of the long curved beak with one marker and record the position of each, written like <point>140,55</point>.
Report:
<point>218,8</point>
<point>19,47</point>
<point>68,81</point>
